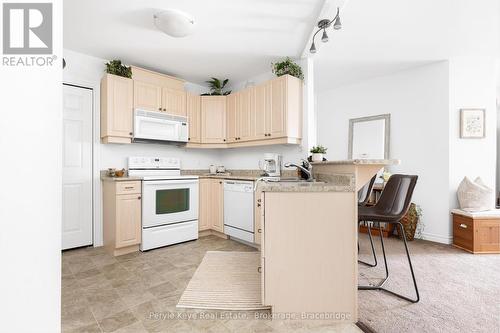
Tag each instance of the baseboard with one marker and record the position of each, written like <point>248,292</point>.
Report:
<point>437,238</point>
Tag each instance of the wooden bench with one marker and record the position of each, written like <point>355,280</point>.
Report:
<point>477,232</point>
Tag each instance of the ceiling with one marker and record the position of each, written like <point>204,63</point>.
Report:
<point>234,39</point>
<point>385,36</point>
<point>238,39</point>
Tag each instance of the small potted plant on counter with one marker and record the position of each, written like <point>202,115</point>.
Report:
<point>317,153</point>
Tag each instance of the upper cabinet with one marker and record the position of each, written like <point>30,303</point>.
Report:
<point>213,119</point>
<point>269,113</point>
<point>147,96</point>
<point>158,92</point>
<point>232,117</point>
<point>116,109</point>
<point>174,101</point>
<point>193,107</point>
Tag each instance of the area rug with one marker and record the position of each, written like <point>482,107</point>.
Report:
<point>225,281</point>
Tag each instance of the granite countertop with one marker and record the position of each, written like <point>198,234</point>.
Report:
<point>126,177</point>
<point>316,186</point>
<point>360,162</point>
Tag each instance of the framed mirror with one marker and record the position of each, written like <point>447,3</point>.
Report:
<point>369,137</point>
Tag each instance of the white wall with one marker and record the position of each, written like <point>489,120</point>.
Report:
<point>30,209</point>
<point>417,100</point>
<point>472,85</point>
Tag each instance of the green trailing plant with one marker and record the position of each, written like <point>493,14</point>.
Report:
<point>115,67</point>
<point>217,87</point>
<point>287,66</point>
<point>319,149</point>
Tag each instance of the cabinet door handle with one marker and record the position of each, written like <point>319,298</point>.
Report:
<point>259,200</point>
<point>164,109</point>
<point>139,197</point>
<point>130,133</point>
<point>220,182</point>
<point>259,231</point>
<point>159,109</point>
<point>463,225</point>
<point>129,187</point>
<point>259,269</point>
<point>224,140</point>
<point>258,205</point>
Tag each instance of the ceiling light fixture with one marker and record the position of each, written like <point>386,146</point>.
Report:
<point>324,38</point>
<point>323,25</point>
<point>313,48</point>
<point>174,22</point>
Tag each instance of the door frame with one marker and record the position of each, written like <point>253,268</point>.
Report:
<point>97,239</point>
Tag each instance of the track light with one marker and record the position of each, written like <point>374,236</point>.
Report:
<point>324,38</point>
<point>337,25</point>
<point>322,26</point>
<point>313,48</point>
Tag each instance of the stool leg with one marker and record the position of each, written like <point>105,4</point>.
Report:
<point>373,249</point>
<point>383,254</point>
<point>380,286</point>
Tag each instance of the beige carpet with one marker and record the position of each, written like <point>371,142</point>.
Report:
<point>459,291</point>
<point>225,281</point>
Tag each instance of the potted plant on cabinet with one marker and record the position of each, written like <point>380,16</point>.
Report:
<point>287,66</point>
<point>216,87</point>
<point>317,153</point>
<point>115,67</point>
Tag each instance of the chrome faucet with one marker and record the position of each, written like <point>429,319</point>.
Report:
<point>305,170</point>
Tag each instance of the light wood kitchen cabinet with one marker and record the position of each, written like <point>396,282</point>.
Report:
<point>122,216</point>
<point>116,109</point>
<point>213,119</point>
<point>241,116</point>
<point>218,205</point>
<point>147,96</point>
<point>276,126</point>
<point>158,92</point>
<point>174,101</point>
<point>205,203</point>
<point>278,110</point>
<point>211,210</point>
<point>232,117</point>
<point>193,107</point>
<point>262,110</point>
<point>246,114</point>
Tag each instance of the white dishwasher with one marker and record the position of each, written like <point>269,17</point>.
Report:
<point>239,209</point>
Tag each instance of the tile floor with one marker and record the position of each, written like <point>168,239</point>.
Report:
<point>138,292</point>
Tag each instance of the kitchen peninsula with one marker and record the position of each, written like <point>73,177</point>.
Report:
<point>309,241</point>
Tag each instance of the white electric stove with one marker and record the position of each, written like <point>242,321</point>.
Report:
<point>169,201</point>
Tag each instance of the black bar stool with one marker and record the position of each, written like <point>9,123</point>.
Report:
<point>391,207</point>
<point>363,199</point>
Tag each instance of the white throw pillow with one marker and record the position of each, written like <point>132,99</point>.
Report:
<point>475,196</point>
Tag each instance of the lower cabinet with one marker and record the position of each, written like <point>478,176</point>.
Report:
<point>211,210</point>
<point>122,216</point>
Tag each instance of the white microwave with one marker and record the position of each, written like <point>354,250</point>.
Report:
<point>159,126</point>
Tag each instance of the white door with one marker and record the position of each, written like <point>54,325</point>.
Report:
<point>77,167</point>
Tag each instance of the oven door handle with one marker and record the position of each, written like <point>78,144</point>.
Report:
<point>170,182</point>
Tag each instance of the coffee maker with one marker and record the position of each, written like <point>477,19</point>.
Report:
<point>271,165</point>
